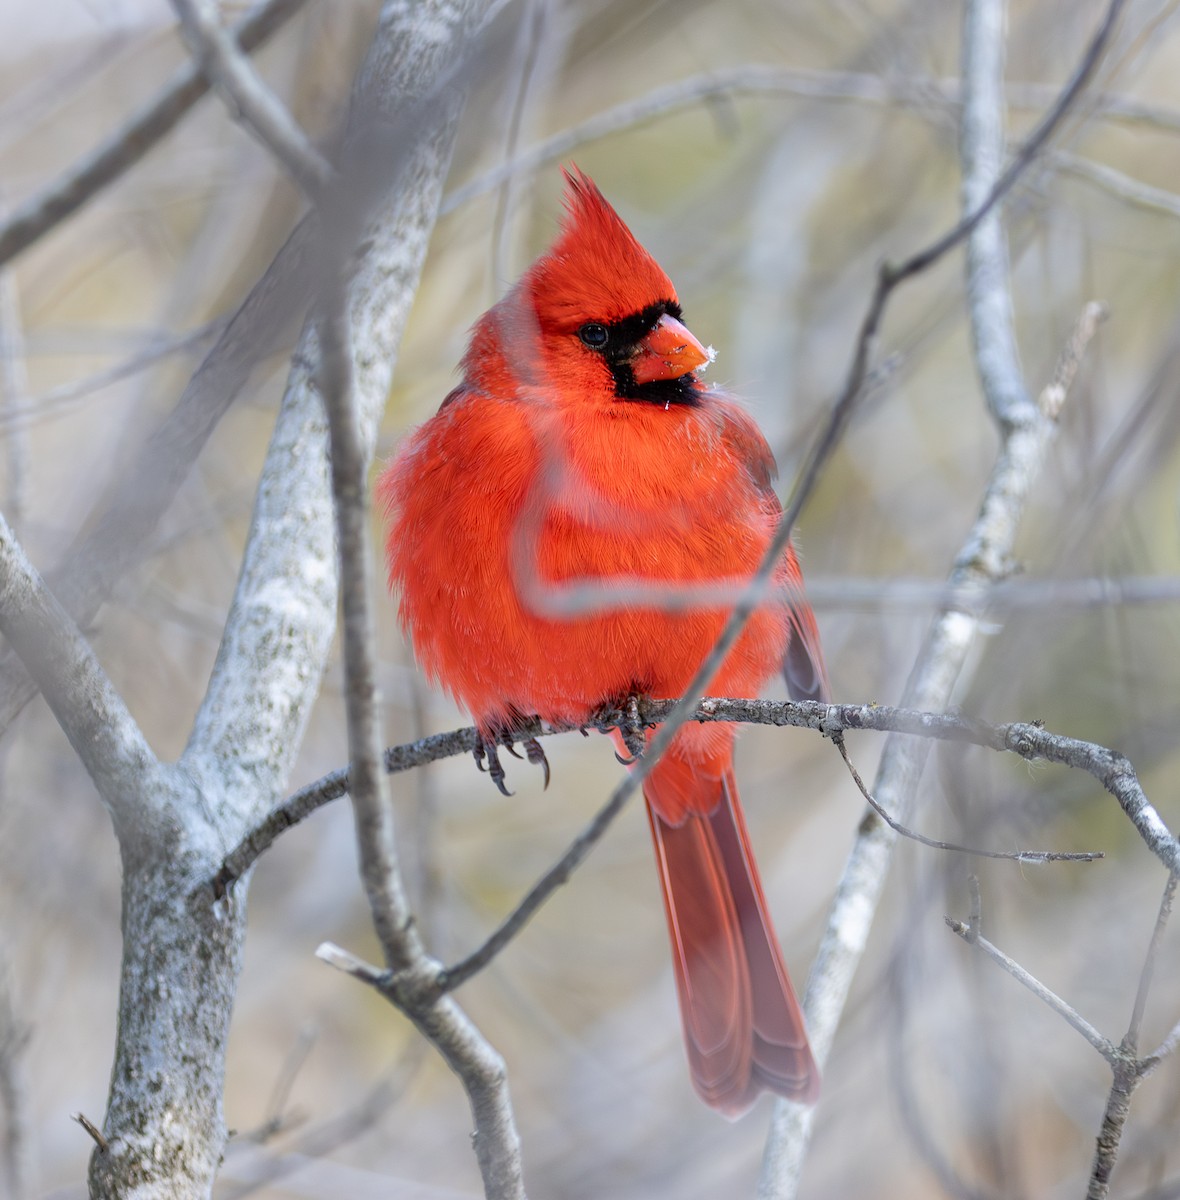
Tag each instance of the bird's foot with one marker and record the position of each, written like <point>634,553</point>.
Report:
<point>631,731</point>
<point>535,753</point>
<point>487,750</point>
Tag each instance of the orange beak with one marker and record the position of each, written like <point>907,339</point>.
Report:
<point>668,352</point>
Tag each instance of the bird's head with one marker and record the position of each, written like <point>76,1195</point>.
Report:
<point>599,314</point>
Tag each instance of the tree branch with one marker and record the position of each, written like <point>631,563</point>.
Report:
<point>372,810</point>
<point>983,559</point>
<point>14,1095</point>
<point>756,79</point>
<point>114,541</point>
<point>91,713</point>
<point>164,1127</point>
<point>14,389</point>
<point>970,934</point>
<point>982,147</point>
<point>248,98</point>
<point>123,149</point>
<point>1029,741</point>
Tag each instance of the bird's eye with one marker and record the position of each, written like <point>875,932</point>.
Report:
<point>593,335</point>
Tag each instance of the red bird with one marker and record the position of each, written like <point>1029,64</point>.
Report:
<point>582,448</point>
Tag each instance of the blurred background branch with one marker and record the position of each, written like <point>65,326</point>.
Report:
<point>1026,430</point>
<point>123,149</point>
<point>771,157</point>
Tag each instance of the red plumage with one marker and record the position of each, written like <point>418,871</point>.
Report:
<point>580,446</point>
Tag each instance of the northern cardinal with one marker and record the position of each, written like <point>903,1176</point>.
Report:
<point>581,447</point>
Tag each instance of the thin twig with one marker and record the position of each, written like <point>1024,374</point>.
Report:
<point>982,559</point>
<point>533,21</point>
<point>1115,183</point>
<point>555,877</point>
<point>368,788</point>
<point>277,1118</point>
<point>124,148</point>
<point>14,390</point>
<point>91,1129</point>
<point>1029,741</point>
<point>1165,1048</point>
<point>248,97</point>
<point>430,878</point>
<point>1131,1040</point>
<point>982,148</point>
<point>320,1140</point>
<point>55,400</point>
<point>753,79</point>
<point>1104,1046</point>
<point>1023,594</point>
<point>1021,856</point>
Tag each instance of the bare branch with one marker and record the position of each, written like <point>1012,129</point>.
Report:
<point>1030,742</point>
<point>1104,1046</point>
<point>1118,1108</point>
<point>1010,595</point>
<point>346,961</point>
<point>42,212</point>
<point>1021,856</point>
<point>982,559</point>
<point>373,812</point>
<point>465,1049</point>
<point>248,98</point>
<point>14,1094</point>
<point>119,536</point>
<point>1164,1049</point>
<point>1131,1041</point>
<point>91,713</point>
<point>95,1133</point>
<point>52,402</point>
<point>14,390</point>
<point>755,79</point>
<point>1116,183</point>
<point>981,131</point>
<point>528,51</point>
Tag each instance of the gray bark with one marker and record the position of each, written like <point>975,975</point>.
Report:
<point>164,1127</point>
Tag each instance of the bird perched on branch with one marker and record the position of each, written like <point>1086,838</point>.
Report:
<point>582,449</point>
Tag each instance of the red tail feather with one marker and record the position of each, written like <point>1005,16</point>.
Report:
<point>743,1026</point>
<point>583,448</point>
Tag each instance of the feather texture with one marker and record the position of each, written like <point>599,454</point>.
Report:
<point>582,448</point>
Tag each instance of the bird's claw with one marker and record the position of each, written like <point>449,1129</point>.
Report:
<point>488,749</point>
<point>535,753</point>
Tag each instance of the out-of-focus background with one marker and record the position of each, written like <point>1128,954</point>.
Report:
<point>771,207</point>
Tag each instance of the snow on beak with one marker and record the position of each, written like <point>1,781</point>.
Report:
<point>668,352</point>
